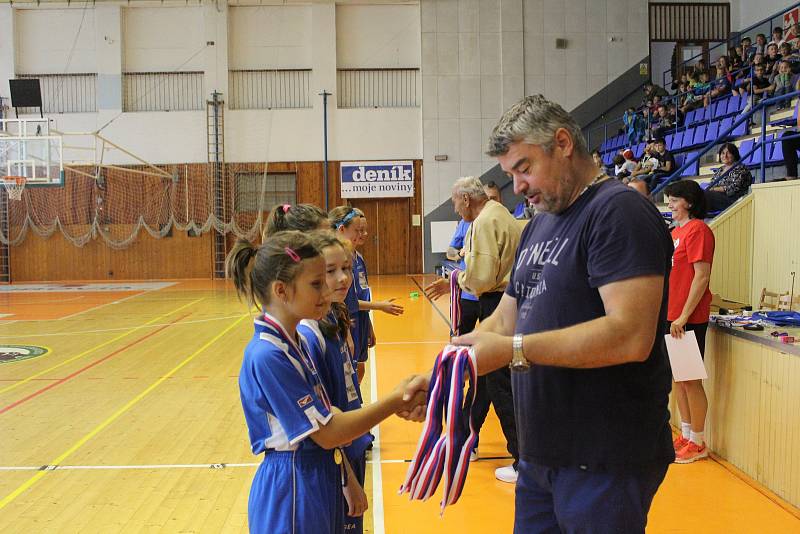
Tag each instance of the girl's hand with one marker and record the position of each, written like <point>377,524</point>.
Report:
<point>355,496</point>
<point>371,339</point>
<point>388,306</point>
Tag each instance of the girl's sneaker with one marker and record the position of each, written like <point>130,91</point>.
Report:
<point>691,453</point>
<point>679,443</point>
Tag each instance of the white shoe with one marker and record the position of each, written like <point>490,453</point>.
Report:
<point>506,474</point>
<point>473,456</point>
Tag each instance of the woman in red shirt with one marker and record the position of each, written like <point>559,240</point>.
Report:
<point>690,305</point>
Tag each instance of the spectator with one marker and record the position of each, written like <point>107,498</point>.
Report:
<point>791,146</point>
<point>664,123</point>
<point>647,165</point>
<point>783,83</point>
<point>761,86</point>
<point>735,58</point>
<point>721,86</point>
<point>795,40</point>
<point>777,36</point>
<point>761,45</point>
<point>747,50</point>
<point>735,182</point>
<point>634,126</point>
<point>666,165</point>
<point>787,54</point>
<point>690,306</point>
<point>652,90</point>
<point>598,160</point>
<point>493,191</point>
<point>489,249</point>
<point>695,99</point>
<point>772,59</point>
<point>624,164</point>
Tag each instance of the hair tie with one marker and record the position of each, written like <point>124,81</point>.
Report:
<point>292,254</point>
<point>286,208</point>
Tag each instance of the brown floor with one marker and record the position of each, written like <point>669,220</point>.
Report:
<point>137,404</point>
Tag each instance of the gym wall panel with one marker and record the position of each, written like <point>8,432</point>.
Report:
<point>378,36</point>
<point>270,37</point>
<point>44,40</point>
<point>776,248</point>
<point>731,272</point>
<point>752,421</point>
<point>163,39</point>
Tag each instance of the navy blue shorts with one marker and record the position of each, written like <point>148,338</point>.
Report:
<point>571,500</point>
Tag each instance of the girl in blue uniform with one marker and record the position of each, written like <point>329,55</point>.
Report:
<point>298,486</point>
<point>350,224</point>
<point>330,344</point>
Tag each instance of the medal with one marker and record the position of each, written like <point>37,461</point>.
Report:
<point>337,456</point>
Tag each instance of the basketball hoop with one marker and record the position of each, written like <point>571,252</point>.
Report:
<point>14,185</point>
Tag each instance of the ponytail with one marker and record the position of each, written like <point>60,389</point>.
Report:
<point>236,268</point>
<point>301,217</point>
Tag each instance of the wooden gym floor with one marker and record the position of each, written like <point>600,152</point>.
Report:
<point>132,423</point>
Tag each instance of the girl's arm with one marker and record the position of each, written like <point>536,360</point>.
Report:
<point>354,494</point>
<point>344,427</point>
<point>386,306</point>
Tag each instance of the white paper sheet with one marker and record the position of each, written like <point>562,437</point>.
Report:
<point>684,357</point>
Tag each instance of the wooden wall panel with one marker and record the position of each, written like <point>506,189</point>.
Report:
<point>753,393</point>
<point>776,245</point>
<point>38,259</point>
<point>731,272</point>
<point>148,258</point>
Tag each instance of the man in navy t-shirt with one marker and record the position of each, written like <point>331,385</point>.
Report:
<point>582,326</point>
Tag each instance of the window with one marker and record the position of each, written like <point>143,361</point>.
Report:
<point>256,191</point>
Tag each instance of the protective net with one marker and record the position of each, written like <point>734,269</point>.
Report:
<point>116,204</point>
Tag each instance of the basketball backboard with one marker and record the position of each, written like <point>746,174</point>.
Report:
<point>28,149</point>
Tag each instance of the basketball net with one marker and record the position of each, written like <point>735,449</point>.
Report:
<point>14,186</point>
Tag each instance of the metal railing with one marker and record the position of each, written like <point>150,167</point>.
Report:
<point>270,89</point>
<point>65,93</point>
<point>162,91</point>
<point>378,88</point>
<point>761,108</point>
<point>767,22</point>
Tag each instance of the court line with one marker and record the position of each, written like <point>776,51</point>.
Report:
<point>105,330</point>
<point>377,476</point>
<point>96,347</point>
<point>87,367</point>
<point>435,307</point>
<point>58,301</point>
<point>108,304</point>
<point>116,415</point>
<point>405,342</point>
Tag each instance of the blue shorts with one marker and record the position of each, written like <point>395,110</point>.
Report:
<point>297,492</point>
<point>571,500</point>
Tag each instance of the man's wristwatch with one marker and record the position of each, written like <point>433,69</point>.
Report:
<point>518,360</point>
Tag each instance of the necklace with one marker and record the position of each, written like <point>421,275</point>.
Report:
<point>599,178</point>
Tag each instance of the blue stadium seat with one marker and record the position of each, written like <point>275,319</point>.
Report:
<point>712,131</point>
<point>690,117</point>
<point>699,136</point>
<point>734,105</point>
<point>724,124</point>
<point>755,157</point>
<point>720,107</point>
<point>638,150</point>
<point>694,168</point>
<point>744,148</point>
<point>776,157</point>
<point>683,139</point>
<point>669,139</point>
<point>740,130</point>
<point>608,158</point>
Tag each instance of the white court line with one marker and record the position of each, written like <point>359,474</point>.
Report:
<point>221,465</point>
<point>108,304</point>
<point>377,476</point>
<point>104,330</point>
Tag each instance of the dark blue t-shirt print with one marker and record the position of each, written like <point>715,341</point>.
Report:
<point>534,257</point>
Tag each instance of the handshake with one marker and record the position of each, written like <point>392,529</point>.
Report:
<point>410,397</point>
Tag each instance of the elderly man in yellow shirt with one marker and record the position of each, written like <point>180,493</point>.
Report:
<point>489,249</point>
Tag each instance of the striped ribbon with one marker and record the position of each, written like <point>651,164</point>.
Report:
<point>445,454</point>
<point>455,302</point>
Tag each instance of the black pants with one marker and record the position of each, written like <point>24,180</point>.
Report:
<point>470,313</point>
<point>717,200</point>
<point>495,388</point>
<point>790,148</point>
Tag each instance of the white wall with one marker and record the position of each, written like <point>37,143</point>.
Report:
<point>270,37</point>
<point>479,57</point>
<point>44,40</point>
<point>377,36</point>
<point>163,39</point>
<point>750,11</point>
<point>156,38</point>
